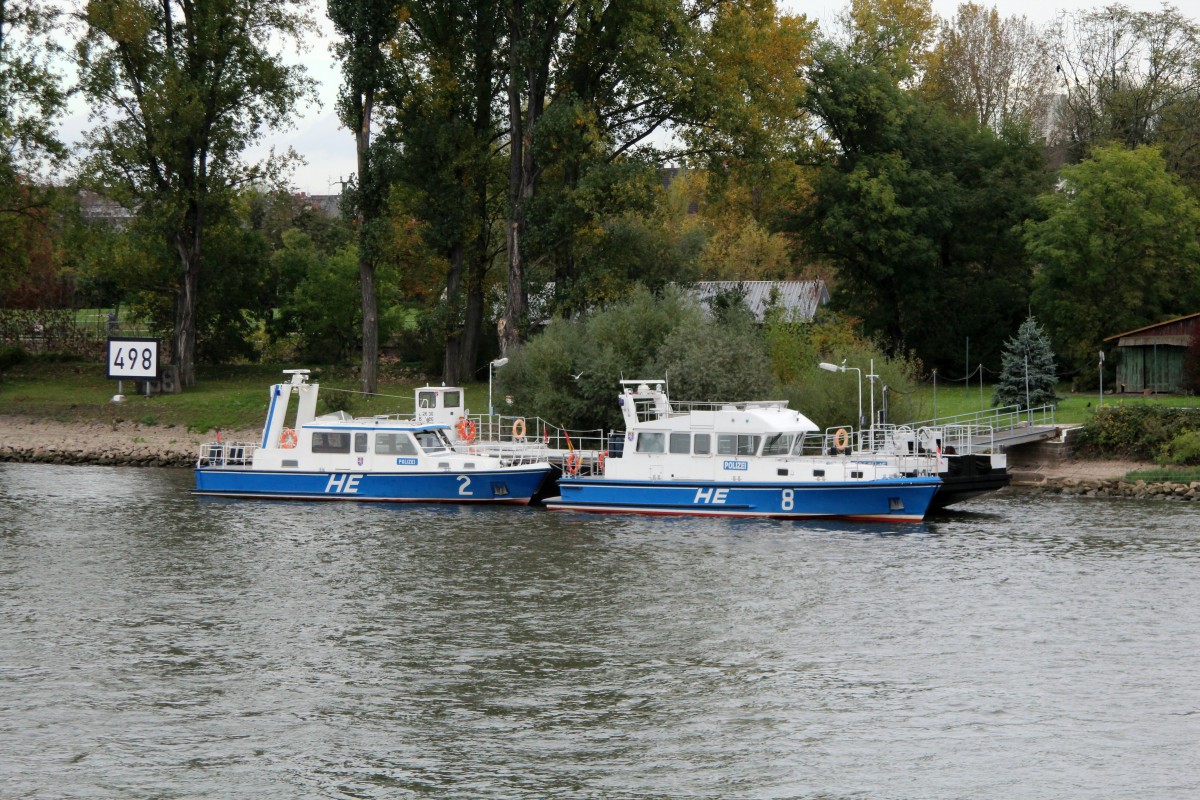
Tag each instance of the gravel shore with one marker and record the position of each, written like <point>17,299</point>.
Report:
<point>127,443</point>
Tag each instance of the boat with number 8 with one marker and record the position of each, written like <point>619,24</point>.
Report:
<point>747,459</point>
<point>378,459</point>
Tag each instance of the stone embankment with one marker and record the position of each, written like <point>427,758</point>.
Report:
<point>120,442</point>
<point>1051,466</point>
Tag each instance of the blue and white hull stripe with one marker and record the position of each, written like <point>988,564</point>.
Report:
<point>900,499</point>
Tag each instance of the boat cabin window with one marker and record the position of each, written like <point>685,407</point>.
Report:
<point>394,444</point>
<point>681,443</point>
<point>330,442</point>
<point>737,444</point>
<point>650,442</point>
<point>450,400</point>
<point>432,441</point>
<point>427,399</point>
<point>360,443</point>
<point>703,444</point>
<point>810,444</point>
<point>778,444</point>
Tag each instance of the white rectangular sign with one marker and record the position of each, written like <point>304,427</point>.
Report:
<point>132,359</point>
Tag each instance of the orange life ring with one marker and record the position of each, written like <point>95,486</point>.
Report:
<point>519,428</point>
<point>287,439</point>
<point>573,464</point>
<point>841,439</point>
<point>466,429</point>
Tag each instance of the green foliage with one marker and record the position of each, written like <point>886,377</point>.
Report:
<point>180,91</point>
<point>1027,373</point>
<point>1182,450</point>
<point>1139,432</point>
<point>1118,250</point>
<point>918,213</point>
<point>323,309</point>
<point>570,373</point>
<point>827,398</point>
<point>11,355</point>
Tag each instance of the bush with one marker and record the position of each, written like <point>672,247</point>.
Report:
<point>12,355</point>
<point>1140,432</point>
<point>1183,450</point>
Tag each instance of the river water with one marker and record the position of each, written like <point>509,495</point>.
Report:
<point>156,645</point>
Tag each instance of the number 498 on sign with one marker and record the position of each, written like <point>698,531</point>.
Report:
<point>131,358</point>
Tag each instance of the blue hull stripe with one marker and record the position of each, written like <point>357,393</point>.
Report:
<point>902,499</point>
<point>517,486</point>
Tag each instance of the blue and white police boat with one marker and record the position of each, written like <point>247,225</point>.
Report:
<point>381,459</point>
<point>747,459</point>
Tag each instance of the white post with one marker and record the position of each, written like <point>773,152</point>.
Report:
<point>1101,377</point>
<point>499,362</point>
<point>1028,410</point>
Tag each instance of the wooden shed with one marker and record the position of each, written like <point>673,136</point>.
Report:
<point>1151,358</point>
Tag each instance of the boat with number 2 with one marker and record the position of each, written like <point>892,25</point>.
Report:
<point>378,459</point>
<point>750,459</point>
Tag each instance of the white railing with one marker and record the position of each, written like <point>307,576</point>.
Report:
<point>226,454</point>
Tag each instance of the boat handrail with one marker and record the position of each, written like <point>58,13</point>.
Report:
<point>223,454</point>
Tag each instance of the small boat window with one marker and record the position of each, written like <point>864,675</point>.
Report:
<point>450,400</point>
<point>394,444</point>
<point>650,442</point>
<point>702,444</point>
<point>427,399</point>
<point>778,444</point>
<point>360,443</point>
<point>681,443</point>
<point>432,441</point>
<point>330,442</point>
<point>737,444</point>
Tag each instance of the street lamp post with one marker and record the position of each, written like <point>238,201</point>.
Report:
<point>825,365</point>
<point>497,363</point>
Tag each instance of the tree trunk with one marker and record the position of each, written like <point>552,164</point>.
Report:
<point>368,213</point>
<point>187,245</point>
<point>452,369</point>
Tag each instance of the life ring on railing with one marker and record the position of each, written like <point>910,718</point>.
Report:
<point>466,429</point>
<point>287,439</point>
<point>572,464</point>
<point>600,460</point>
<point>519,428</point>
<point>841,439</point>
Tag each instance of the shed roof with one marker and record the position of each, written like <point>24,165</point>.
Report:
<point>800,299</point>
<point>1175,332</point>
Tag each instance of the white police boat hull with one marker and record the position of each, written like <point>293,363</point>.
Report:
<point>755,459</point>
<point>372,459</point>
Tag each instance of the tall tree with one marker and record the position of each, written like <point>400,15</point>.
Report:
<point>917,212</point>
<point>1027,371</point>
<point>183,88</point>
<point>1122,71</point>
<point>1117,250</point>
<point>449,172</point>
<point>590,82</point>
<point>367,28</point>
<point>32,99</point>
<point>991,69</point>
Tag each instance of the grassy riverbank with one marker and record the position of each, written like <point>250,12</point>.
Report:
<point>235,397</point>
<point>230,397</point>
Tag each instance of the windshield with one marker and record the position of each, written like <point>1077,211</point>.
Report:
<point>432,441</point>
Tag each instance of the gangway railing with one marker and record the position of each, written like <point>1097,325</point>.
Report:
<point>1001,418</point>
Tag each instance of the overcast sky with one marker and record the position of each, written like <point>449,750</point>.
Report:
<point>329,149</point>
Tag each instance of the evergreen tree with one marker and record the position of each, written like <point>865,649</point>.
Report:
<point>1027,372</point>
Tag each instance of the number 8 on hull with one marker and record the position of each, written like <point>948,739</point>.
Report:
<point>750,459</point>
